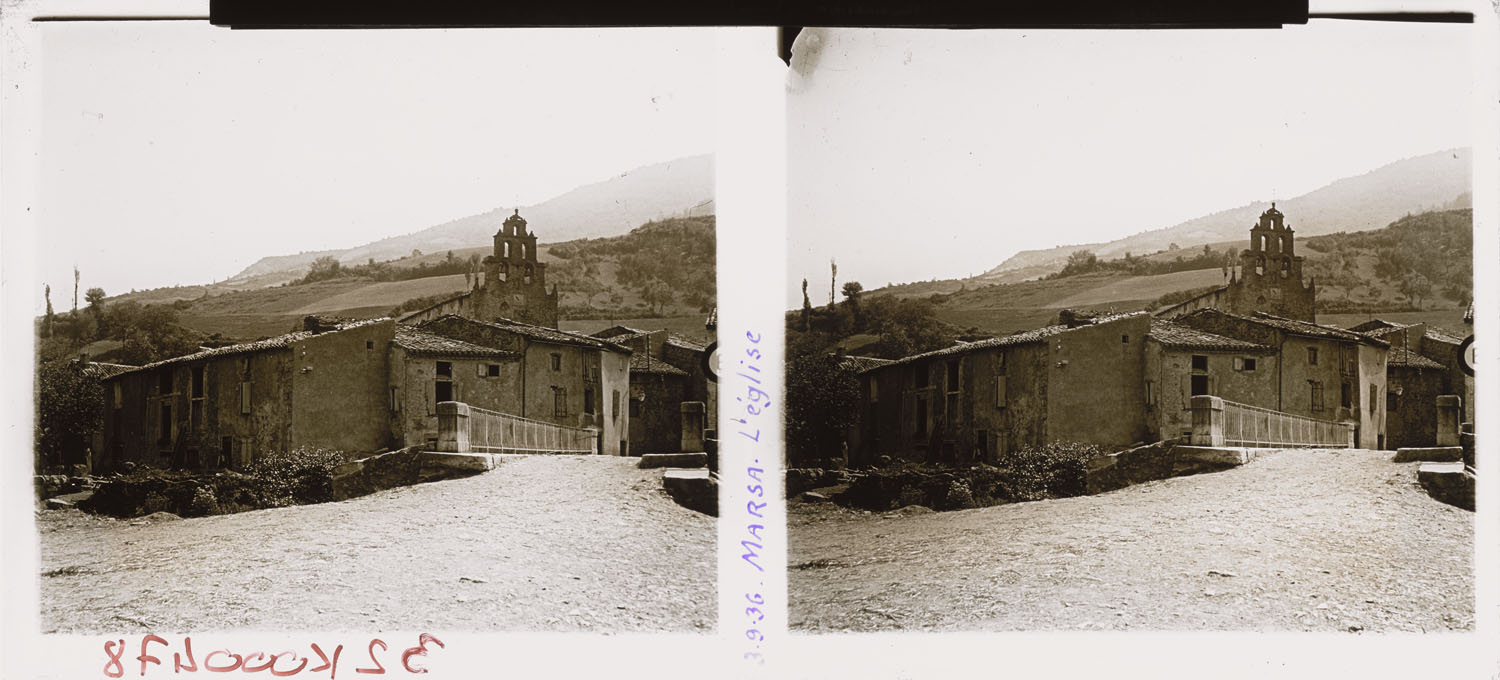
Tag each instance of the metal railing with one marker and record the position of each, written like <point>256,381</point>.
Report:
<point>469,429</point>
<point>1225,423</point>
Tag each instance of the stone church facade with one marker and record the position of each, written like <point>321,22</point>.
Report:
<point>1268,278</point>
<point>513,287</point>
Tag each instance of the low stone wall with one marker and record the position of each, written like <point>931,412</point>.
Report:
<point>1159,461</point>
<point>1451,483</point>
<point>693,489</point>
<point>1132,466</point>
<point>1440,454</point>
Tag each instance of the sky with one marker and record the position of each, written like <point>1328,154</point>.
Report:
<point>920,154</point>
<point>179,153</point>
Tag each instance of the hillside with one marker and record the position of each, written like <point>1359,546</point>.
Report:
<point>1417,268</point>
<point>1369,201</point>
<point>681,187</point>
<point>663,269</point>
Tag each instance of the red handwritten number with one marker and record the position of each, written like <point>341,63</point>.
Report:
<point>332,666</point>
<point>113,667</point>
<point>419,650</point>
<point>378,669</point>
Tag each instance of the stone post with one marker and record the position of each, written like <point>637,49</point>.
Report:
<point>1208,420</point>
<point>1447,419</point>
<point>692,426</point>
<point>453,427</point>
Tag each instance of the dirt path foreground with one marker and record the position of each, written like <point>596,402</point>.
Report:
<point>1326,540</point>
<point>564,543</point>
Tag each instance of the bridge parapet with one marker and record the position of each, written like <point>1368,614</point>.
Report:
<point>1218,423</point>
<point>463,428</point>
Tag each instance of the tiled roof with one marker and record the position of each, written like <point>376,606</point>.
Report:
<point>419,342</point>
<point>1403,357</point>
<point>268,344</point>
<point>1380,327</point>
<point>101,371</point>
<point>645,363</point>
<point>861,364</point>
<point>1315,330</point>
<point>1443,336</point>
<point>617,332</point>
<point>1294,327</point>
<point>1027,337</point>
<point>674,339</point>
<point>544,334</point>
<point>1178,336</point>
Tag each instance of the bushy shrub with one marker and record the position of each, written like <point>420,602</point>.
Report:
<point>1050,471</point>
<point>298,477</point>
<point>204,502</point>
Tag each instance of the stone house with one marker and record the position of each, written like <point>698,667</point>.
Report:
<point>1421,365</point>
<point>323,386</point>
<point>513,285</point>
<point>1323,372</point>
<point>666,371</point>
<point>1182,362</point>
<point>1268,278</point>
<point>426,368</point>
<point>564,378</point>
<point>1081,380</point>
<point>357,387</point>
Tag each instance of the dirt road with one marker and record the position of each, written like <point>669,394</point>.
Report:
<point>553,543</point>
<point>1295,540</point>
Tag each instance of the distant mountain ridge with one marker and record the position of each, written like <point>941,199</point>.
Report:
<point>1363,202</point>
<point>678,188</point>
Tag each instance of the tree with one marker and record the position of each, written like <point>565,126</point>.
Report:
<point>822,400</point>
<point>656,294</point>
<point>95,298</point>
<point>832,280</point>
<point>50,317</point>
<point>70,406</point>
<point>806,308</point>
<point>75,287</point>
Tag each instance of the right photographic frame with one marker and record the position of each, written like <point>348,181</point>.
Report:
<point>1132,330</point>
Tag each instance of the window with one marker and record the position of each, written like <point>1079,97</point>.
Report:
<point>1312,356</point>
<point>1374,398</point>
<point>1390,401</point>
<point>1125,339</point>
<point>369,344</point>
<point>1317,394</point>
<point>443,391</point>
<point>1199,385</point>
<point>951,408</point>
<point>560,402</point>
<point>119,396</point>
<point>1150,393</point>
<point>614,404</point>
<point>588,400</point>
<point>921,416</point>
<point>557,362</point>
<point>197,382</point>
<point>245,397</point>
<point>1244,364</point>
<point>1200,362</point>
<point>1000,391</point>
<point>492,370</point>
<point>195,406</point>
<point>1346,396</point>
<point>922,376</point>
<point>445,369</point>
<point>164,434</point>
<point>1286,267</point>
<point>395,401</point>
<point>952,376</point>
<point>164,382</point>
